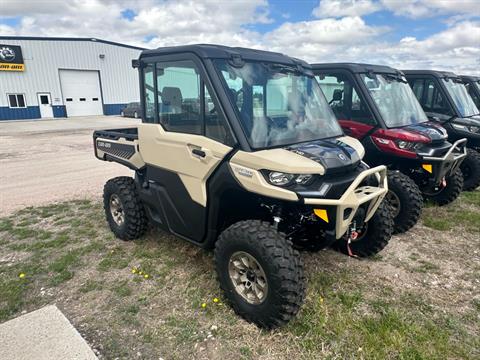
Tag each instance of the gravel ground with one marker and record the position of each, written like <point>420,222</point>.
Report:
<point>52,160</point>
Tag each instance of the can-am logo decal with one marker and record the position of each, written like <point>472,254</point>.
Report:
<point>7,54</point>
<point>244,172</point>
<point>11,58</point>
<point>342,157</point>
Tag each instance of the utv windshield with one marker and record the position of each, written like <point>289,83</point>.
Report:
<point>463,102</point>
<point>394,98</point>
<point>278,104</point>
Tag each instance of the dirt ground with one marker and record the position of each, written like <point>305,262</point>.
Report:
<point>53,160</point>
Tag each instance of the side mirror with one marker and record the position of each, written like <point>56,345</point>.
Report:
<point>135,63</point>
<point>337,95</point>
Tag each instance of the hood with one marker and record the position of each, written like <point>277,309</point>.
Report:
<point>333,154</point>
<point>434,132</point>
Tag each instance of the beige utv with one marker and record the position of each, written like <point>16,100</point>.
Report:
<point>239,151</point>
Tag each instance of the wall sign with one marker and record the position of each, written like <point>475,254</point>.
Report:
<point>11,58</point>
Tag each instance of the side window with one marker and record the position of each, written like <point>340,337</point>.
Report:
<point>216,126</point>
<point>417,87</point>
<point>178,93</point>
<point>149,93</point>
<point>434,100</point>
<point>473,94</point>
<point>344,99</point>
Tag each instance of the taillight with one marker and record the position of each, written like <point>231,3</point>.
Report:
<point>399,142</point>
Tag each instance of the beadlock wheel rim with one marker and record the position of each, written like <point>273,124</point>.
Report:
<point>248,277</point>
<point>394,202</point>
<point>116,210</point>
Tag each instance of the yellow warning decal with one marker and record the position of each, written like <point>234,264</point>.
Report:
<point>427,167</point>
<point>322,214</point>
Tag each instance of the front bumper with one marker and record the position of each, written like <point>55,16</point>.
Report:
<point>343,210</point>
<point>440,167</point>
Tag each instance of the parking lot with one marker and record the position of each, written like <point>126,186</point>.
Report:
<point>52,160</point>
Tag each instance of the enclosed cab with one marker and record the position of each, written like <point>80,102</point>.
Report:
<point>238,151</point>
<point>472,83</point>
<point>445,100</point>
<point>375,105</point>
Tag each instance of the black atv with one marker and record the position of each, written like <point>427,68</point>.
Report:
<point>238,151</point>
<point>446,101</point>
<point>375,105</point>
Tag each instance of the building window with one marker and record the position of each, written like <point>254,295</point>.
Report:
<point>16,101</point>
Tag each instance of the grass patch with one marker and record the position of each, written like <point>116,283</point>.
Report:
<point>122,289</point>
<point>352,309</point>
<point>91,285</point>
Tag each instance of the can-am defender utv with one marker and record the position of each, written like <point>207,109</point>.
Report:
<point>375,105</point>
<point>472,83</point>
<point>445,100</point>
<point>239,151</point>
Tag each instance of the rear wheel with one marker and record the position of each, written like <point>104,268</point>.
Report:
<point>373,235</point>
<point>449,192</point>
<point>471,170</point>
<point>123,209</point>
<point>260,273</point>
<point>405,200</point>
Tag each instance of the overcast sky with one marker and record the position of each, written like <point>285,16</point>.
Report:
<point>440,34</point>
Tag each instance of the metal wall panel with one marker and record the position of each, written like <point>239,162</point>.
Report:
<point>44,58</point>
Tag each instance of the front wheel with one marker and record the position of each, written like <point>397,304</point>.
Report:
<point>449,192</point>
<point>373,235</point>
<point>260,273</point>
<point>470,167</point>
<point>405,200</point>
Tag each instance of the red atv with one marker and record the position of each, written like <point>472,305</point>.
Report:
<point>376,105</point>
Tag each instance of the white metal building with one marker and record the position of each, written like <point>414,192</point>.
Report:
<point>63,77</point>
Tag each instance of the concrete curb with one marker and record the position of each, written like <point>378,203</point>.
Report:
<point>43,334</point>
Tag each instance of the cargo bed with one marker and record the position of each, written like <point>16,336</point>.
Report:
<point>118,145</point>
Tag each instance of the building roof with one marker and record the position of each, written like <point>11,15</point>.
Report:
<point>21,38</point>
<point>441,74</point>
<point>211,51</point>
<point>356,67</point>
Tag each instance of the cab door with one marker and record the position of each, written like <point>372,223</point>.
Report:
<point>183,138</point>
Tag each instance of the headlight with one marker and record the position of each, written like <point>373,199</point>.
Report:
<point>303,179</point>
<point>474,129</point>
<point>284,179</point>
<point>407,145</point>
<point>279,178</point>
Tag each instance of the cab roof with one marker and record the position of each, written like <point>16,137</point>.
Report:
<point>356,67</point>
<point>436,73</point>
<point>470,78</point>
<point>211,51</point>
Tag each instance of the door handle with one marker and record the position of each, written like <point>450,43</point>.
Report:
<point>199,153</point>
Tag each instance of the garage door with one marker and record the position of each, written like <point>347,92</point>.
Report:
<point>81,92</point>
